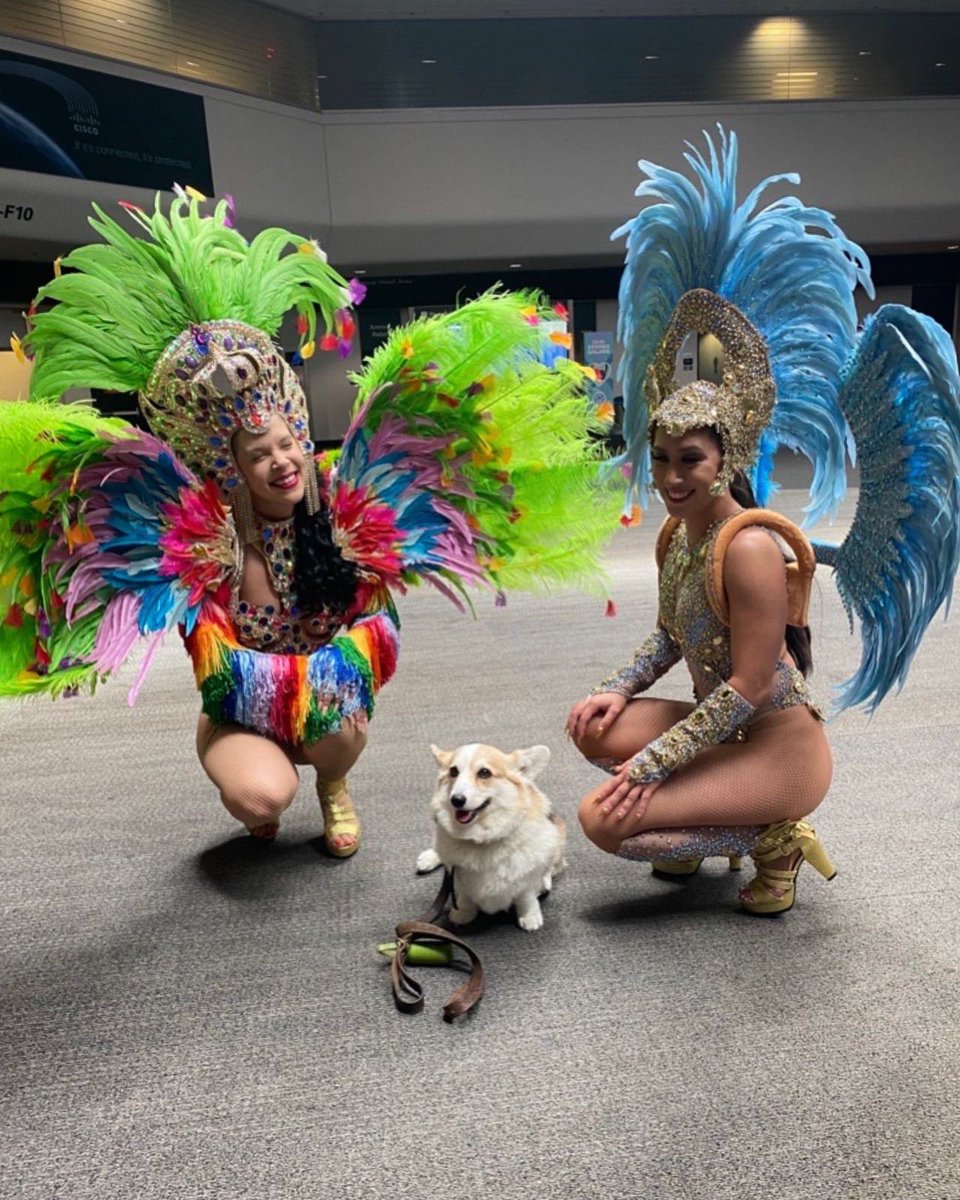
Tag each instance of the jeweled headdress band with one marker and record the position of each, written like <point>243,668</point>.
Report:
<point>740,407</point>
<point>213,380</point>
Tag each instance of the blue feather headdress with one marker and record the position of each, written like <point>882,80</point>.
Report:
<point>788,268</point>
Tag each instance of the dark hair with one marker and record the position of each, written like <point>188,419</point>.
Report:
<point>322,577</point>
<point>797,637</point>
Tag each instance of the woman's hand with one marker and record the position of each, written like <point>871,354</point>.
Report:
<point>605,707</point>
<point>623,796</point>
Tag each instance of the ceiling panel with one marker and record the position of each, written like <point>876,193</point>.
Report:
<point>631,60</point>
<point>406,61</point>
<point>450,10</point>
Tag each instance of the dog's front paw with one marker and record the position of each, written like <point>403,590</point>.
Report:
<point>529,913</point>
<point>464,914</point>
<point>427,861</point>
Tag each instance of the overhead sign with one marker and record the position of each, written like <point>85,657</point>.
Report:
<point>62,120</point>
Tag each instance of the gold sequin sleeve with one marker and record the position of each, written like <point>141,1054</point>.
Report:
<point>653,658</point>
<point>719,717</point>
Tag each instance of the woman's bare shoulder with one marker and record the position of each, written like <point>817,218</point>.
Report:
<point>752,555</point>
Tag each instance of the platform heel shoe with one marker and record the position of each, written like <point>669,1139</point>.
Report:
<point>675,868</point>
<point>773,889</point>
<point>340,821</point>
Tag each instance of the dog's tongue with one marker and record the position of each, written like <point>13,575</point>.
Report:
<point>464,816</point>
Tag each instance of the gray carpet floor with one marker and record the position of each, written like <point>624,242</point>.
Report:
<point>188,1014</point>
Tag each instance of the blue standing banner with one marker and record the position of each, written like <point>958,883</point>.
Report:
<point>598,353</point>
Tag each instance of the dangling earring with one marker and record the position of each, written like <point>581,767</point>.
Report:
<point>241,505</point>
<point>311,488</point>
<point>716,488</point>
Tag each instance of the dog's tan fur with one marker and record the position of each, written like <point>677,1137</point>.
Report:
<point>507,851</point>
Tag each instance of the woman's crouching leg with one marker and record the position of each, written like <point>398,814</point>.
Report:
<point>599,827</point>
<point>255,776</point>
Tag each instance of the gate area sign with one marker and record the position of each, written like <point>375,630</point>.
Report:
<point>61,120</point>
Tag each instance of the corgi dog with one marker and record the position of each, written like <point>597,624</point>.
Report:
<point>495,831</point>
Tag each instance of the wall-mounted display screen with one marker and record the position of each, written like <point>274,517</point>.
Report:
<point>62,120</point>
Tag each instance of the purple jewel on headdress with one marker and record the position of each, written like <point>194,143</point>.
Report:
<point>288,407</point>
<point>191,363</point>
<point>239,404</point>
<point>241,372</point>
<point>181,373</point>
<point>227,342</point>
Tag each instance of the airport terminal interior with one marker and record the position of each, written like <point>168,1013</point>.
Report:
<point>191,1012</point>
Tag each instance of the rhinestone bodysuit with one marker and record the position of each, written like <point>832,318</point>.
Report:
<point>701,636</point>
<point>279,628</point>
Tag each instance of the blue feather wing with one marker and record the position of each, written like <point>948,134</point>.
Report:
<point>896,567</point>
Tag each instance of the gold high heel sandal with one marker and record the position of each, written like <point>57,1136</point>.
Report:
<point>339,817</point>
<point>773,889</point>
<point>676,867</point>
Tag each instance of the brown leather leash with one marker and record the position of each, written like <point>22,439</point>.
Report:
<point>407,991</point>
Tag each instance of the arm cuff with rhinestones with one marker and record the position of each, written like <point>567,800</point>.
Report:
<point>715,719</point>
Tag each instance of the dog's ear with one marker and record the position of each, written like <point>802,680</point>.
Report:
<point>530,762</point>
<point>443,757</point>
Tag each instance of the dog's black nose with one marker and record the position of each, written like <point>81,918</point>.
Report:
<point>458,801</point>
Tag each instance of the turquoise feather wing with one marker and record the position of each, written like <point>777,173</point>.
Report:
<point>897,565</point>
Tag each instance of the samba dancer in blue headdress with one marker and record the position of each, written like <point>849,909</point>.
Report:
<point>737,772</point>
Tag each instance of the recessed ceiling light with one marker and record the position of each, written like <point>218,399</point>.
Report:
<point>954,247</point>
<point>191,63</point>
<point>321,76</point>
<point>428,60</point>
<point>939,64</point>
<point>360,271</point>
<point>797,74</point>
<point>865,53</point>
<point>513,266</point>
<point>651,57</point>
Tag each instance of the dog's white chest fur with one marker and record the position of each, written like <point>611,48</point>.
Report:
<point>494,830</point>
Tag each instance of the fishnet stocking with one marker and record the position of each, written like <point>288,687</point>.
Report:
<point>781,772</point>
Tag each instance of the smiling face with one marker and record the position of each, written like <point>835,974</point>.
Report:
<point>684,467</point>
<point>273,465</point>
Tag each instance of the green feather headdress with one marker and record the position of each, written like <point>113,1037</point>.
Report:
<point>123,300</point>
<point>185,316</point>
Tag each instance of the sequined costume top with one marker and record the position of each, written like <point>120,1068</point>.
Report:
<point>701,638</point>
<point>279,628</point>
